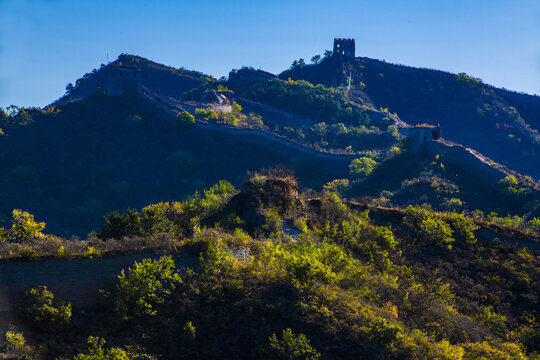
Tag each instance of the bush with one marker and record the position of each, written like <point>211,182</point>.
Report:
<point>428,227</point>
<point>493,320</point>
<point>145,286</point>
<point>463,226</point>
<point>362,167</point>
<point>385,334</point>
<point>13,339</point>
<point>45,310</point>
<point>292,347</point>
<point>96,351</point>
<point>185,118</point>
<point>272,221</point>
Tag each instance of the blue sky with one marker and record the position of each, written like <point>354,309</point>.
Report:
<point>44,44</point>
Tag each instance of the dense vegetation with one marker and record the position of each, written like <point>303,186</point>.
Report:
<point>288,276</point>
<point>316,102</point>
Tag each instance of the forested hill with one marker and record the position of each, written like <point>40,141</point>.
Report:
<point>91,153</point>
<point>501,124</point>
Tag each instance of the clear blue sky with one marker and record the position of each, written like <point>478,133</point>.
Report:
<point>44,44</point>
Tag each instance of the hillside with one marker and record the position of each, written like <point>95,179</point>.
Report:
<point>277,217</point>
<point>500,124</point>
<point>73,164</point>
<point>267,270</point>
<point>117,143</point>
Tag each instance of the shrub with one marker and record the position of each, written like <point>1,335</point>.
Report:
<point>145,286</point>
<point>493,320</point>
<point>206,114</point>
<point>91,252</point>
<point>463,226</point>
<point>13,339</point>
<point>118,225</point>
<point>272,221</point>
<point>485,351</point>
<point>385,333</point>
<point>428,227</point>
<point>96,351</point>
<point>185,118</point>
<point>292,347</point>
<point>45,310</point>
<point>362,167</point>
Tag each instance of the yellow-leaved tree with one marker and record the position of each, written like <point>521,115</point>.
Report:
<point>23,227</point>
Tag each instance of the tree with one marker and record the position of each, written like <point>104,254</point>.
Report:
<point>297,64</point>
<point>327,54</point>
<point>316,59</point>
<point>45,310</point>
<point>185,118</point>
<point>145,286</point>
<point>292,347</point>
<point>69,88</point>
<point>362,167</point>
<point>23,227</point>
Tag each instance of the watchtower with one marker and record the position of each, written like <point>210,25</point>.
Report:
<point>421,134</point>
<point>121,79</point>
<point>344,47</point>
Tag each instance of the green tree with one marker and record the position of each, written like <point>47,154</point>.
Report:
<point>327,54</point>
<point>185,118</point>
<point>23,227</point>
<point>145,286</point>
<point>45,310</point>
<point>361,167</point>
<point>316,59</point>
<point>292,347</point>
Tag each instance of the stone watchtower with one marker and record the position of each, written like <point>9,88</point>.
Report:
<point>421,134</point>
<point>344,47</point>
<point>121,79</point>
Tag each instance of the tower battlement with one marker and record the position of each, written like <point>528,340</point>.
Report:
<point>344,47</point>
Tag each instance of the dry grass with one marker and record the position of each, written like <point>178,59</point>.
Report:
<point>54,246</point>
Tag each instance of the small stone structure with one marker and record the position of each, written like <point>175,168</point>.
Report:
<point>421,134</point>
<point>344,47</point>
<point>121,79</point>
